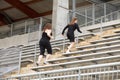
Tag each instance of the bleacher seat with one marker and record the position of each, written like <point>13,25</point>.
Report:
<point>99,44</point>
<point>89,61</point>
<point>118,31</point>
<point>105,40</point>
<point>106,53</point>
<point>9,60</point>
<point>97,53</point>
<point>114,35</point>
<point>103,27</point>
<point>29,52</point>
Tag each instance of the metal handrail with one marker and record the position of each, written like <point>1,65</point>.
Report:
<point>101,21</point>
<point>72,69</point>
<point>100,17</point>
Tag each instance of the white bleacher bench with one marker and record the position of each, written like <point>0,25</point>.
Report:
<point>27,60</point>
<point>8,63</point>
<point>76,62</point>
<point>32,55</point>
<point>99,44</point>
<point>61,44</point>
<point>56,48</point>
<point>28,53</point>
<point>30,49</point>
<point>76,52</point>
<point>117,31</point>
<point>8,59</point>
<point>105,40</point>
<point>109,36</point>
<point>103,27</point>
<point>14,62</point>
<point>85,55</point>
<point>9,55</point>
<point>28,56</point>
<point>92,50</point>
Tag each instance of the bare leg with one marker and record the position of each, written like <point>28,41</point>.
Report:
<point>70,46</point>
<point>47,57</point>
<point>39,59</point>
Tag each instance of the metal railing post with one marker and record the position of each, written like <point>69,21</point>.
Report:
<point>85,17</point>
<point>105,11</point>
<point>11,29</point>
<point>79,74</point>
<point>64,45</point>
<point>35,53</point>
<point>101,29</point>
<point>28,33</point>
<point>25,27</point>
<point>39,76</point>
<point>40,28</point>
<point>77,41</point>
<point>73,7</point>
<point>111,17</point>
<point>68,18</point>
<point>20,60</point>
<point>118,13</point>
<point>93,13</point>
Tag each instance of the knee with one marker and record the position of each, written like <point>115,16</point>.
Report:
<point>50,52</point>
<point>42,52</point>
<point>73,42</point>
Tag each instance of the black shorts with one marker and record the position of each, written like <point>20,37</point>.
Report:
<point>71,37</point>
<point>45,44</point>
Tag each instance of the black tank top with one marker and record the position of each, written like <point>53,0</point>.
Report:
<point>45,36</point>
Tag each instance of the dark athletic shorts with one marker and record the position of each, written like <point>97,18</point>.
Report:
<point>45,44</point>
<point>71,37</point>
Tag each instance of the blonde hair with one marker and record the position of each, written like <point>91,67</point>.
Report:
<point>73,21</point>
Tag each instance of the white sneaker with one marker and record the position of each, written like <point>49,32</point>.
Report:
<point>67,51</point>
<point>68,47</point>
<point>46,62</point>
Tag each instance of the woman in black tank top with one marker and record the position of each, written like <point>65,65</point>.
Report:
<point>44,43</point>
<point>70,33</point>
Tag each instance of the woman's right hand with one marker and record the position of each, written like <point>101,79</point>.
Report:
<point>52,37</point>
